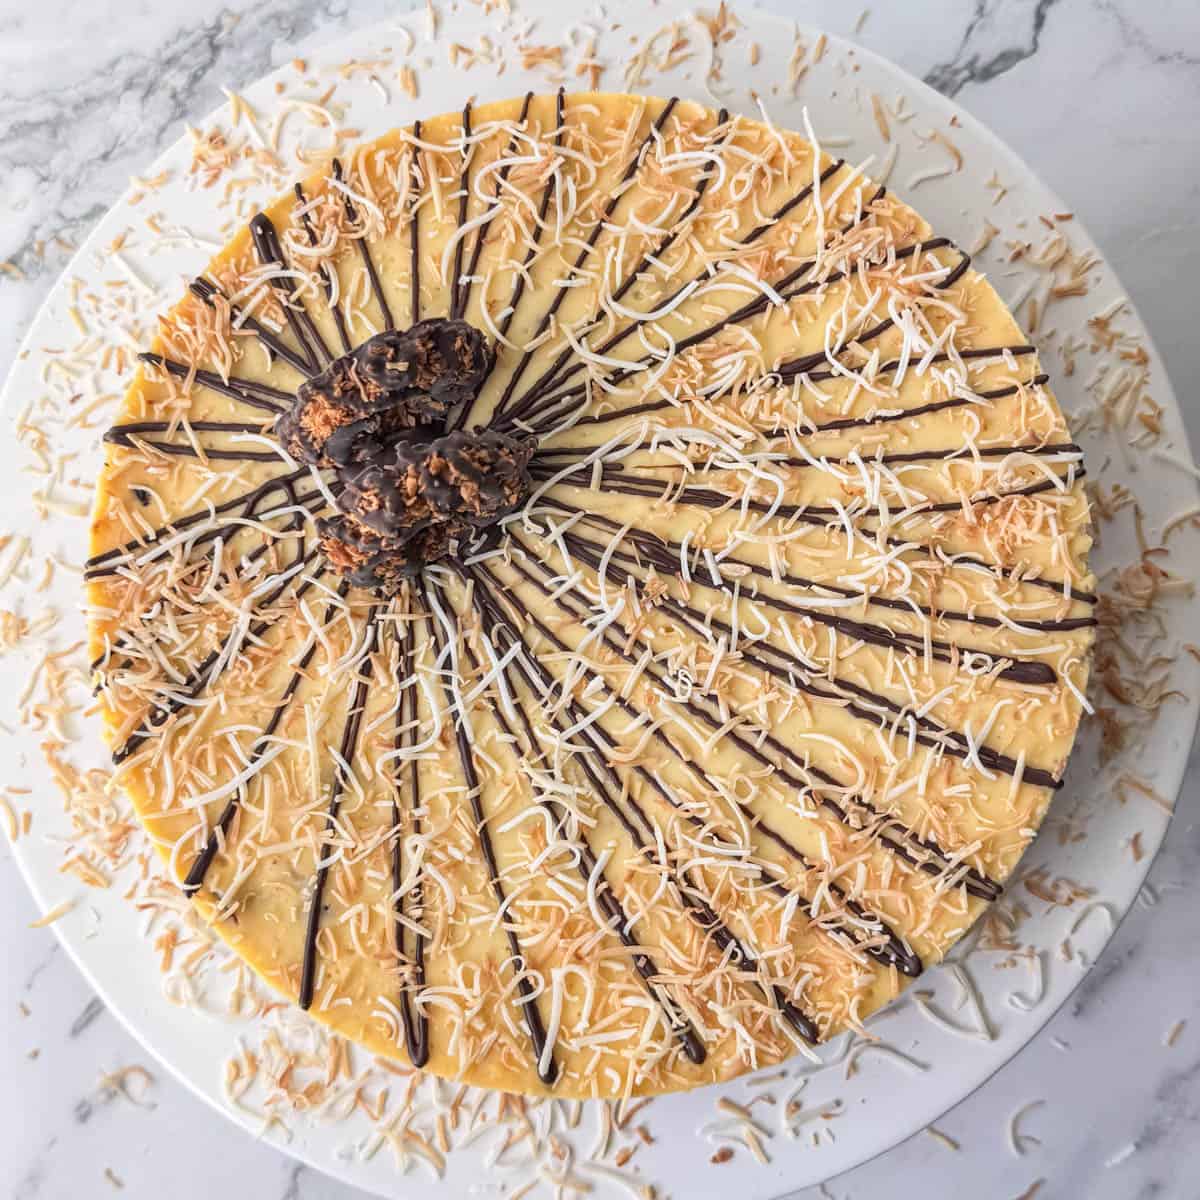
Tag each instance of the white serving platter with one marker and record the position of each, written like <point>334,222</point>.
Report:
<point>887,1097</point>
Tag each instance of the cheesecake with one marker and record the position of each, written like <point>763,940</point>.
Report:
<point>589,594</point>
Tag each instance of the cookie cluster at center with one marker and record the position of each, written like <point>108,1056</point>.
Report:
<point>409,489</point>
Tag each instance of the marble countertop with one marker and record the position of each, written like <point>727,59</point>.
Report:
<point>1099,96</point>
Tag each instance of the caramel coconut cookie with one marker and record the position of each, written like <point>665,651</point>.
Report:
<point>416,501</point>
<point>591,594</point>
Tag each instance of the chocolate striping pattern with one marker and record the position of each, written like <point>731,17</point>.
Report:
<point>537,635</point>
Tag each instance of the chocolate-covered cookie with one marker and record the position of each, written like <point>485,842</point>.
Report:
<point>416,502</point>
<point>395,383</point>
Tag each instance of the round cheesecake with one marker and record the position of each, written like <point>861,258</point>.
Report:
<point>589,594</point>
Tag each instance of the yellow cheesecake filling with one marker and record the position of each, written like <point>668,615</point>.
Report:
<point>589,594</point>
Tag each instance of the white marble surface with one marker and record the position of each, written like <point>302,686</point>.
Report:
<point>1100,96</point>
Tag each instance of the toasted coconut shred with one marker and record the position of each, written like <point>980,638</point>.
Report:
<point>763,648</point>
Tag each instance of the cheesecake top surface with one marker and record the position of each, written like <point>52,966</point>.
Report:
<point>589,594</point>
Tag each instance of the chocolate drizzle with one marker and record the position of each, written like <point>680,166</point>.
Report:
<point>464,290</point>
<point>244,391</point>
<point>589,245</point>
<point>414,236</point>
<point>535,400</point>
<point>242,505</point>
<point>795,672</point>
<point>270,253</point>
<point>187,450</point>
<point>464,194</point>
<point>121,433</point>
<point>652,489</point>
<point>947,455</point>
<point>647,259</point>
<point>327,279</point>
<point>346,752</point>
<point>800,775</point>
<point>134,433</point>
<point>522,275</point>
<point>413,1016</point>
<point>365,252</point>
<point>194,879</point>
<point>277,348</point>
<point>176,697</point>
<point>665,554</point>
<point>788,288</point>
<point>1015,670</point>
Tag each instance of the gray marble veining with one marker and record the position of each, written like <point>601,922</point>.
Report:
<point>1101,97</point>
<point>998,37</point>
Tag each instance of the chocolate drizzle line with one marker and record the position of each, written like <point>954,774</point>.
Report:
<point>947,455</point>
<point>969,562</point>
<point>546,1066</point>
<point>537,393</point>
<point>697,497</point>
<point>130,433</point>
<point>707,176</point>
<point>664,553</point>
<point>119,555</point>
<point>800,776</point>
<point>954,454</point>
<point>617,919</point>
<point>206,291</point>
<point>787,289</point>
<point>270,253</point>
<point>217,836</point>
<point>968,354</point>
<point>560,294</point>
<point>1016,670</point>
<point>244,391</point>
<point>892,952</point>
<point>326,275</point>
<point>347,749</point>
<point>464,294</point>
<point>464,180</point>
<point>690,895</point>
<point>110,561</point>
<point>414,1017</point>
<point>883,417</point>
<point>414,234</point>
<point>365,252</point>
<point>975,881</point>
<point>247,562</point>
<point>703,498</point>
<point>518,289</point>
<point>171,701</point>
<point>122,431</point>
<point>106,566</point>
<point>187,450</point>
<point>922,410</point>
